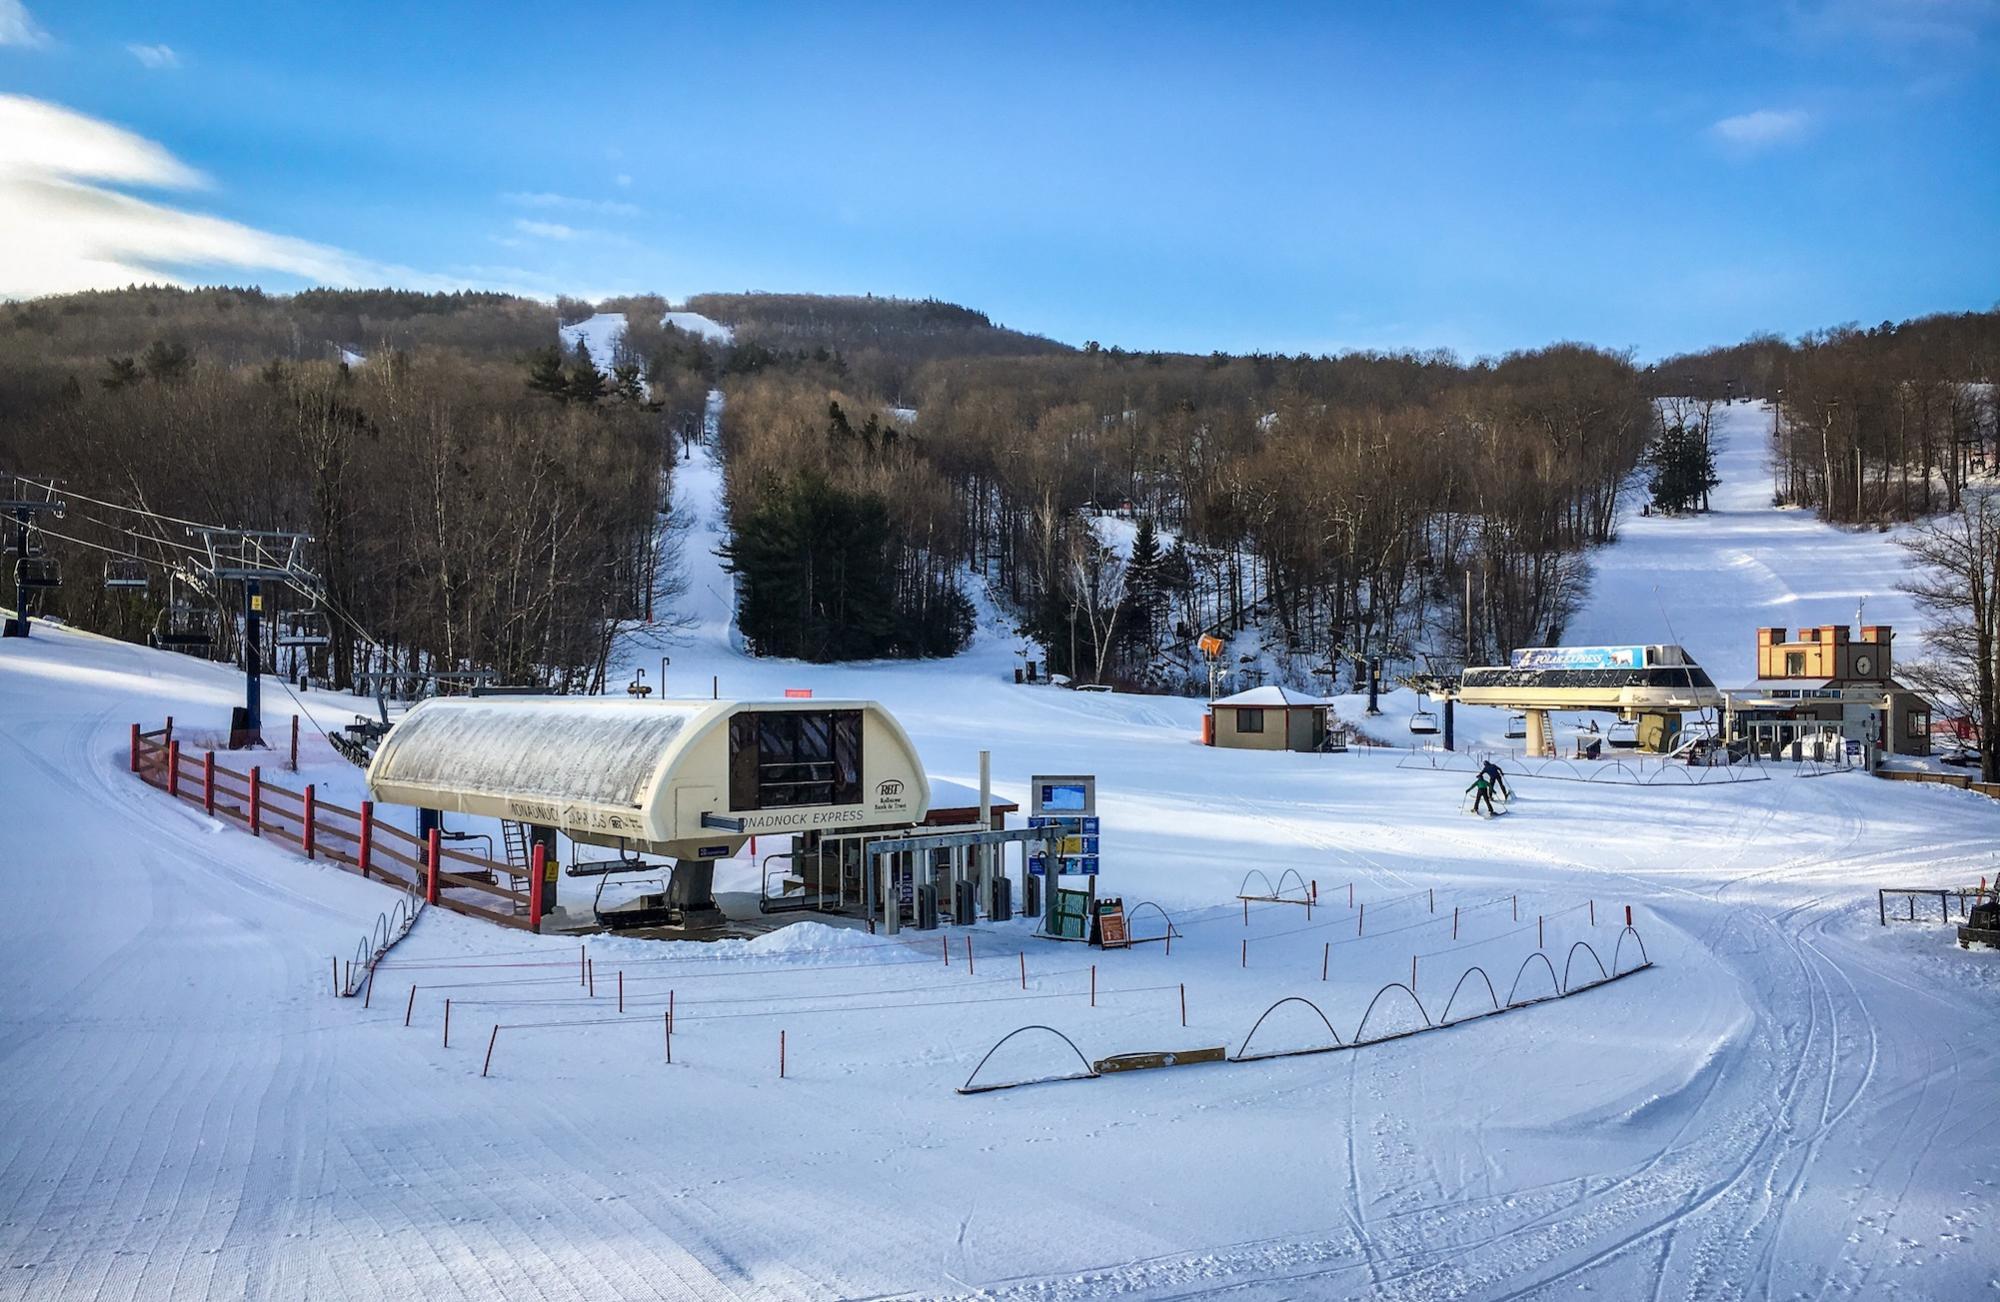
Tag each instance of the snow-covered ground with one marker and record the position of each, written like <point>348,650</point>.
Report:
<point>696,323</point>
<point>1708,582</point>
<point>1794,1102</point>
<point>603,331</point>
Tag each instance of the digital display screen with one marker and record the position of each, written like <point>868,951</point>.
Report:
<point>1064,797</point>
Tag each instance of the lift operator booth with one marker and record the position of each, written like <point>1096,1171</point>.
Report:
<point>687,780</point>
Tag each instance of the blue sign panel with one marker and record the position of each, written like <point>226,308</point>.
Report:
<point>1579,657</point>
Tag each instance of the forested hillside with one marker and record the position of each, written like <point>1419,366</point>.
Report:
<point>461,515</point>
<point>481,497</point>
<point>1876,425</point>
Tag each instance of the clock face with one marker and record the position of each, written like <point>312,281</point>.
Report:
<point>1863,664</point>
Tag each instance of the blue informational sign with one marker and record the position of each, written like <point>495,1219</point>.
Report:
<point>1081,845</point>
<point>1579,657</point>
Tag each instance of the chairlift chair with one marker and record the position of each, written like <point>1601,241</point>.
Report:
<point>125,575</point>
<point>1517,727</point>
<point>301,628</point>
<point>185,628</point>
<point>1623,735</point>
<point>37,572</point>
<point>1423,722</point>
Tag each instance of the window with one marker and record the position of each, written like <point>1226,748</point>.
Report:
<point>784,758</point>
<point>1795,664</point>
<point>1249,721</point>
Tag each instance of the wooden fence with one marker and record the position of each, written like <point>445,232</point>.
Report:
<point>1963,781</point>
<point>451,879</point>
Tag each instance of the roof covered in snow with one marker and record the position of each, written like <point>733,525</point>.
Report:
<point>1270,696</point>
<point>602,768</point>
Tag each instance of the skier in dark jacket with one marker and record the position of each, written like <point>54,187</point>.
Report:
<point>1491,772</point>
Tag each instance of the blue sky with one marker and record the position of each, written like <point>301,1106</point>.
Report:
<point>1241,177</point>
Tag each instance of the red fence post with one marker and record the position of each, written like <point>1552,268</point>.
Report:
<point>431,873</point>
<point>173,768</point>
<point>208,782</point>
<point>537,865</point>
<point>135,748</point>
<point>367,835</point>
<point>310,812</point>
<point>256,800</point>
<point>1628,915</point>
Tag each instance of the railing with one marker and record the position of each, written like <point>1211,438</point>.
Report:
<point>351,837</point>
<point>1963,781</point>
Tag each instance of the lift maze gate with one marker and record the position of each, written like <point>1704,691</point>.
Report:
<point>894,868</point>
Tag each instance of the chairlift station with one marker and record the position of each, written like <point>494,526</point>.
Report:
<point>692,782</point>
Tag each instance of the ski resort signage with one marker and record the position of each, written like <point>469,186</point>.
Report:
<point>1578,657</point>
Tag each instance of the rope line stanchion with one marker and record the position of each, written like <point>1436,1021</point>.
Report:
<point>490,1042</point>
<point>410,1007</point>
<point>447,1022</point>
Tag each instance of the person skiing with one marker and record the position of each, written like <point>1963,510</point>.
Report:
<point>1493,774</point>
<point>1482,790</point>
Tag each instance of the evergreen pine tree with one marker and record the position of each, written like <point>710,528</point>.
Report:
<point>626,384</point>
<point>1683,469</point>
<point>545,374</point>
<point>586,382</point>
<point>1142,592</point>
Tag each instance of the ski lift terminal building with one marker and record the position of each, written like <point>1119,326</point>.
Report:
<point>689,780</point>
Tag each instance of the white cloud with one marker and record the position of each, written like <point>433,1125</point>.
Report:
<point>1762,128</point>
<point>18,27</point>
<point>155,56</point>
<point>63,227</point>
<point>624,178</point>
<point>545,230</point>
<point>569,203</point>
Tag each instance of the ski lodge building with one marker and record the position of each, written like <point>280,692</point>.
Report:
<point>1828,682</point>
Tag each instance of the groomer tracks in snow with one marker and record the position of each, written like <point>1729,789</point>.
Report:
<point>1793,1103</point>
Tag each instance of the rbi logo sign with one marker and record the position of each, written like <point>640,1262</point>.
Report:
<point>889,789</point>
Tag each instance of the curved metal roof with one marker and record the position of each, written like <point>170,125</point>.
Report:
<point>645,771</point>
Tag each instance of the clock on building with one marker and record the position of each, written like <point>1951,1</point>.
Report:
<point>1864,665</point>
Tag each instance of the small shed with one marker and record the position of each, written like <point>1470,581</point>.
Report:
<point>642,774</point>
<point>1267,718</point>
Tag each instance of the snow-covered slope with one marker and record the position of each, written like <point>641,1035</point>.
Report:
<point>1787,1106</point>
<point>696,323</point>
<point>1710,581</point>
<point>601,333</point>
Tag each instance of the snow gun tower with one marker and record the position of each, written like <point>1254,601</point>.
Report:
<point>687,780</point>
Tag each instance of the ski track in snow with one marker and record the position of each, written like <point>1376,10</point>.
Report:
<point>1792,1104</point>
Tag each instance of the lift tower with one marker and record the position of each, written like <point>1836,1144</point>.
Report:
<point>30,571</point>
<point>254,557</point>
